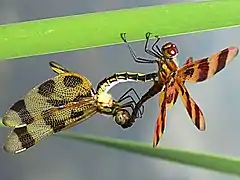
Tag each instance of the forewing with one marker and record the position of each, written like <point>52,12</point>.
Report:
<point>193,109</point>
<point>26,136</point>
<point>161,120</point>
<point>203,69</point>
<point>55,92</point>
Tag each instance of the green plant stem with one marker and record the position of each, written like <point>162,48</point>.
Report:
<point>222,164</point>
<point>103,28</point>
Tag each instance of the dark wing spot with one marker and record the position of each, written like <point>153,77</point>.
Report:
<point>80,96</point>
<point>182,90</point>
<point>197,113</point>
<point>77,98</point>
<point>163,126</point>
<point>72,81</point>
<point>24,137</point>
<point>76,114</point>
<point>189,108</point>
<point>175,97</point>
<point>203,69</point>
<point>189,72</point>
<point>169,98</point>
<point>50,119</point>
<point>57,103</point>
<point>222,60</point>
<point>163,108</point>
<point>46,88</point>
<point>20,108</point>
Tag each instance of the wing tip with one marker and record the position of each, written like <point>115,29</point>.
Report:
<point>6,121</point>
<point>13,151</point>
<point>13,143</point>
<point>234,50</point>
<point>202,128</point>
<point>155,140</point>
<point>11,119</point>
<point>202,124</point>
<point>157,135</point>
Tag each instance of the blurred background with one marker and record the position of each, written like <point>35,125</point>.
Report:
<point>62,159</point>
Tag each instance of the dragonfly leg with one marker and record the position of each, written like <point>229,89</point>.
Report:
<point>156,88</point>
<point>136,59</point>
<point>153,52</point>
<point>132,101</point>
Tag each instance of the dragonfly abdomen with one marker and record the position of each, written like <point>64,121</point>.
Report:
<point>106,84</point>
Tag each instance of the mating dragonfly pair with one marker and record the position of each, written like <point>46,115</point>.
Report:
<point>69,98</point>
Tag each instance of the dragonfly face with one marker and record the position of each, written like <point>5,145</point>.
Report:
<point>169,50</point>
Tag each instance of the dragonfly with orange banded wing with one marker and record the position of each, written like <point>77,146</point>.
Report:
<point>64,101</point>
<point>171,80</point>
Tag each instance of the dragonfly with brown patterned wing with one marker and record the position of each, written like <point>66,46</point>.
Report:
<point>171,80</point>
<point>64,101</point>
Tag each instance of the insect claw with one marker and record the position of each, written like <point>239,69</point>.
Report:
<point>123,36</point>
<point>148,34</point>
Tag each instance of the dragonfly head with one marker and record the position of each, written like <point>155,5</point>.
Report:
<point>122,116</point>
<point>169,50</point>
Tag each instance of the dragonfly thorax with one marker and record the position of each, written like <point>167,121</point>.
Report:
<point>167,70</point>
<point>105,100</point>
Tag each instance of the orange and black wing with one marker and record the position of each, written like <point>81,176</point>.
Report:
<point>203,69</point>
<point>172,93</point>
<point>192,108</point>
<point>56,104</point>
<point>161,120</point>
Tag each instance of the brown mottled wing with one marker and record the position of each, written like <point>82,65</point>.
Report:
<point>55,92</point>
<point>192,108</point>
<point>203,69</point>
<point>26,136</point>
<point>172,93</point>
<point>161,120</point>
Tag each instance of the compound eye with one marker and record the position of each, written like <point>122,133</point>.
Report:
<point>122,117</point>
<point>170,50</point>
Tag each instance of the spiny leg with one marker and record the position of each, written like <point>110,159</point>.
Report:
<point>157,50</point>
<point>126,96</point>
<point>136,59</point>
<point>153,52</point>
<point>148,51</point>
<point>129,104</point>
<point>156,88</point>
<point>133,102</point>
